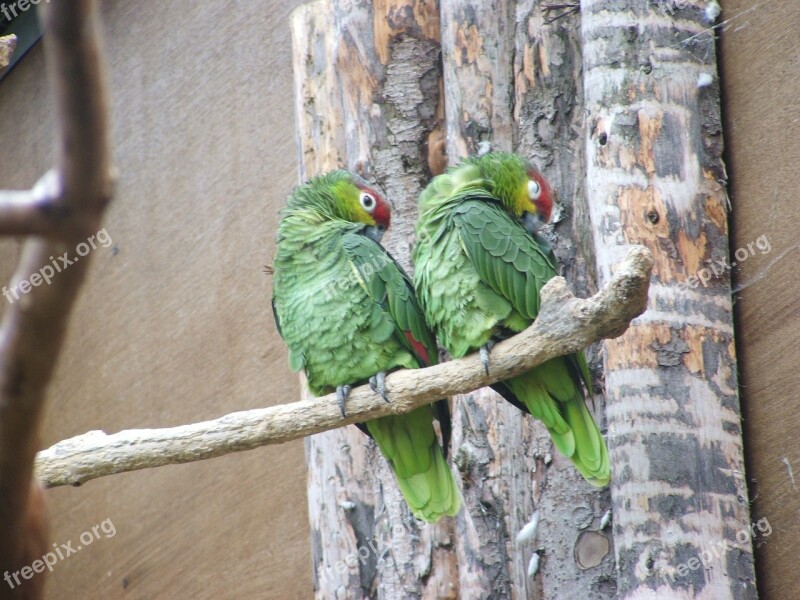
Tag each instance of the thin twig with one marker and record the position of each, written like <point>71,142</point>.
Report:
<point>565,324</point>
<point>572,8</point>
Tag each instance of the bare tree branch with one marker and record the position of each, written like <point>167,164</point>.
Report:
<point>38,211</point>
<point>565,324</point>
<point>33,328</point>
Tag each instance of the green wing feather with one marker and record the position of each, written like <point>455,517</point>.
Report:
<point>408,441</point>
<point>504,254</point>
<point>513,265</point>
<point>389,287</point>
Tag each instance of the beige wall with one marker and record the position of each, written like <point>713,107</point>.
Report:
<point>761,62</point>
<point>174,325</point>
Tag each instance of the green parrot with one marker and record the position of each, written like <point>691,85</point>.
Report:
<point>480,265</point>
<point>349,315</point>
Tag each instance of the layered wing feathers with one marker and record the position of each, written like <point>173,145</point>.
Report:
<point>513,265</point>
<point>503,254</point>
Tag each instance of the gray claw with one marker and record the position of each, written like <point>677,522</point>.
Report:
<point>484,352</point>
<point>342,392</point>
<point>378,384</point>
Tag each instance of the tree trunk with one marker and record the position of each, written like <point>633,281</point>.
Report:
<point>367,86</point>
<point>491,440</point>
<point>512,82</point>
<point>578,558</point>
<point>514,76</point>
<point>340,500</point>
<point>655,177</point>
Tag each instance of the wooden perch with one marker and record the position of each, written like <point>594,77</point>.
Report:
<point>33,328</point>
<point>565,324</point>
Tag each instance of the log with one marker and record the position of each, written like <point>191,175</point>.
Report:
<point>381,64</point>
<point>512,82</point>
<point>655,177</point>
<point>340,487</point>
<point>493,443</point>
<point>576,546</point>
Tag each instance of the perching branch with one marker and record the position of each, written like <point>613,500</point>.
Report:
<point>33,327</point>
<point>565,324</point>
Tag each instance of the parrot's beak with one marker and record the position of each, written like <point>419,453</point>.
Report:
<point>532,222</point>
<point>375,233</point>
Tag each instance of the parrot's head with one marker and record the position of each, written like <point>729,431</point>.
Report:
<point>344,196</point>
<point>361,203</point>
<point>523,191</point>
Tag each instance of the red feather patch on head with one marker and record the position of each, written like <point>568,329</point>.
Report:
<point>383,212</point>
<point>544,204</point>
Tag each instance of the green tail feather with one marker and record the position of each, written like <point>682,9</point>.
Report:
<point>552,396</point>
<point>410,446</point>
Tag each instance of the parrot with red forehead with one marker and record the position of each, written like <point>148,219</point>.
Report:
<point>480,265</point>
<point>349,315</point>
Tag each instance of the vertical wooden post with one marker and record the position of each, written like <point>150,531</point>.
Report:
<point>340,487</point>
<point>491,440</point>
<point>512,82</point>
<point>577,550</point>
<point>367,85</point>
<point>655,177</point>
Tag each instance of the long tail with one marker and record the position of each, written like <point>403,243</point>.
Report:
<point>409,444</point>
<point>553,394</point>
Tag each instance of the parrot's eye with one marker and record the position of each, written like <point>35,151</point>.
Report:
<point>534,189</point>
<point>367,201</point>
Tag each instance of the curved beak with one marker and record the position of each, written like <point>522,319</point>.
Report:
<point>375,233</point>
<point>532,222</point>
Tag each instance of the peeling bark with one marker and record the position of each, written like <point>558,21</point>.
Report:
<point>512,82</point>
<point>491,439</point>
<point>340,501</point>
<point>577,551</point>
<point>367,99</point>
<point>388,64</point>
<point>655,177</point>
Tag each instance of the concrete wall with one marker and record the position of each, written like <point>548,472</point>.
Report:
<point>174,323</point>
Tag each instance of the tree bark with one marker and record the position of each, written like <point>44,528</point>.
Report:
<point>512,82</point>
<point>577,549</point>
<point>378,66</point>
<point>491,440</point>
<point>655,176</point>
<point>340,500</point>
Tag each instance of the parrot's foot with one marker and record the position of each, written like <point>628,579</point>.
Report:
<point>342,392</point>
<point>484,352</point>
<point>378,384</point>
